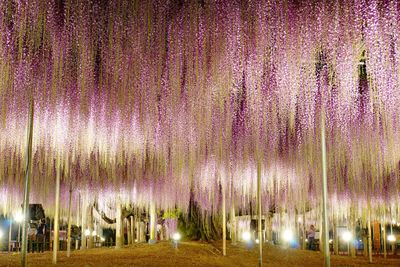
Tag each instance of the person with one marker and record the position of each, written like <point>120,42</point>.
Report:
<point>311,237</point>
<point>40,234</point>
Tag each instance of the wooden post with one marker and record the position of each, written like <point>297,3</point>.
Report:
<point>118,228</point>
<point>223,221</point>
<point>57,211</point>
<point>27,185</point>
<point>259,213</point>
<point>325,231</point>
<point>69,224</point>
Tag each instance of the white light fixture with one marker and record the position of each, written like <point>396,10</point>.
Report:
<point>330,241</point>
<point>257,241</point>
<point>94,233</point>
<point>176,236</point>
<point>347,236</point>
<point>391,238</point>
<point>246,236</point>
<point>87,232</point>
<point>19,217</point>
<point>102,239</point>
<point>287,235</point>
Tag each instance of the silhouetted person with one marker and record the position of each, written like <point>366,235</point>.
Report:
<point>40,235</point>
<point>311,237</point>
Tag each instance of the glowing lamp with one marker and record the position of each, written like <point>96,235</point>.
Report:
<point>246,236</point>
<point>176,236</point>
<point>391,238</point>
<point>94,233</point>
<point>347,236</point>
<point>330,241</point>
<point>19,217</point>
<point>288,235</point>
<point>257,241</point>
<point>102,239</point>
<point>87,232</point>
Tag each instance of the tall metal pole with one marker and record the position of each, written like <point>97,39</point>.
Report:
<point>77,219</point>
<point>27,186</point>
<point>325,195</point>
<point>69,224</point>
<point>57,212</point>
<point>118,227</point>
<point>223,221</point>
<point>260,241</point>
<point>9,236</point>
<point>369,235</point>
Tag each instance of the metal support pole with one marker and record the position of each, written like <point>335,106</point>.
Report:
<point>77,220</point>
<point>69,224</point>
<point>84,222</point>
<point>132,229</point>
<point>336,236</point>
<point>57,212</point>
<point>9,236</point>
<point>128,230</point>
<point>369,236</point>
<point>27,186</point>
<point>19,237</point>
<point>384,238</point>
<point>223,221</point>
<point>153,222</point>
<point>260,241</point>
<point>325,231</point>
<point>118,228</point>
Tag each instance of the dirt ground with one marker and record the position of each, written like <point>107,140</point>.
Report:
<point>190,254</point>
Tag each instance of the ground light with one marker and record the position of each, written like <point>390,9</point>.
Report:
<point>87,232</point>
<point>175,239</point>
<point>246,236</point>
<point>18,217</point>
<point>391,238</point>
<point>288,235</point>
<point>347,236</point>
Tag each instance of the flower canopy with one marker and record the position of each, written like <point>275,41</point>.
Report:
<point>153,100</point>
